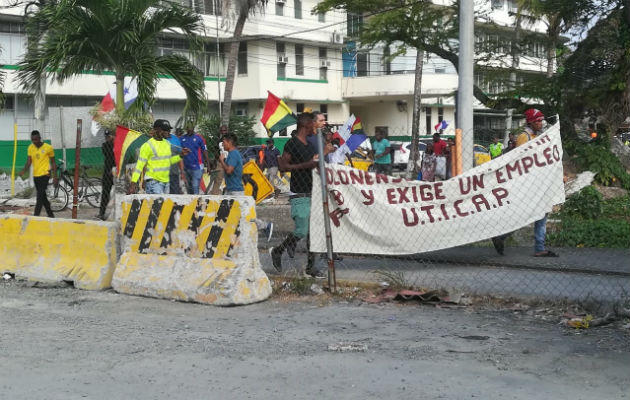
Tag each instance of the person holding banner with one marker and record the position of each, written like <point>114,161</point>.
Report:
<point>534,119</point>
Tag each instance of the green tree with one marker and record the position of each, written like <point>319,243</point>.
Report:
<point>67,37</point>
<point>241,11</point>
<point>595,78</point>
<point>242,127</point>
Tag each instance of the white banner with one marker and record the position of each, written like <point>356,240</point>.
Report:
<point>377,214</point>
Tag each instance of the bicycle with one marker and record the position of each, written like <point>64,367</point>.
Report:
<point>89,189</point>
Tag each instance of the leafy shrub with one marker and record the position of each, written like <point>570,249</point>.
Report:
<point>596,157</point>
<point>618,207</point>
<point>602,232</point>
<point>589,221</point>
<point>241,126</point>
<point>587,203</point>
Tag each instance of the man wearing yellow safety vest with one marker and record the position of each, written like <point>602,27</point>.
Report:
<point>156,155</point>
<point>496,148</point>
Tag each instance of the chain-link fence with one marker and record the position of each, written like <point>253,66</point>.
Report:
<point>480,231</point>
<point>496,229</point>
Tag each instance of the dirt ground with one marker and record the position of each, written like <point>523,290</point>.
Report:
<point>62,343</point>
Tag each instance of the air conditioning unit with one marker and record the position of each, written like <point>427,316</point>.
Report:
<point>337,38</point>
<point>323,63</point>
<point>282,59</point>
<point>281,2</point>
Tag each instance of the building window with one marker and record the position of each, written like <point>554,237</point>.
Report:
<point>207,7</point>
<point>240,109</point>
<point>214,63</point>
<point>497,4</point>
<point>427,110</point>
<point>362,64</point>
<point>440,114</point>
<point>279,8</point>
<point>297,4</point>
<point>283,132</point>
<point>299,107</point>
<point>354,22</point>
<point>299,59</point>
<point>321,17</point>
<point>242,58</point>
<point>282,66</point>
<point>323,108</point>
<point>323,74</point>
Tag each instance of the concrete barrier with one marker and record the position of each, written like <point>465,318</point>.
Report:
<point>191,248</point>
<point>55,249</point>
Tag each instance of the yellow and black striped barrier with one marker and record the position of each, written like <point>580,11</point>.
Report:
<point>164,226</point>
<point>191,248</point>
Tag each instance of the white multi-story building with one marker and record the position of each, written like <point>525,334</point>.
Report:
<point>306,59</point>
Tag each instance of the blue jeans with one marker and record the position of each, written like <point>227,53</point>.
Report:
<point>193,177</point>
<point>173,181</point>
<point>540,231</point>
<point>151,186</point>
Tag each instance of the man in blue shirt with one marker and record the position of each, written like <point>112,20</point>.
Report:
<point>382,156</point>
<point>194,144</point>
<point>232,164</point>
<point>177,169</point>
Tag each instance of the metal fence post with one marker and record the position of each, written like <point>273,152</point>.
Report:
<point>77,165</point>
<point>332,280</point>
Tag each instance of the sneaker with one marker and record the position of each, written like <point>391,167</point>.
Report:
<point>276,259</point>
<point>315,273</point>
<point>291,249</point>
<point>269,230</point>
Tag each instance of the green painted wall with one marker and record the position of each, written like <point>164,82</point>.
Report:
<point>92,156</point>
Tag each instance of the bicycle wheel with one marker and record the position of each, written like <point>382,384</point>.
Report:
<point>57,196</point>
<point>92,191</point>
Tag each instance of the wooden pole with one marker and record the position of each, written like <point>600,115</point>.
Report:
<point>77,165</point>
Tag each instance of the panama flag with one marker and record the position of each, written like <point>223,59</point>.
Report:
<point>344,131</point>
<point>350,135</point>
<point>130,90</point>
<point>441,125</point>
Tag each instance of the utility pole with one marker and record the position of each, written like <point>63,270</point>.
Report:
<point>465,80</point>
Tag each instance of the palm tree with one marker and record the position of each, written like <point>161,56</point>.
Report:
<point>73,36</point>
<point>242,10</point>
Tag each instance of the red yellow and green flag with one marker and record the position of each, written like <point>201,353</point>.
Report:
<point>127,145</point>
<point>277,115</point>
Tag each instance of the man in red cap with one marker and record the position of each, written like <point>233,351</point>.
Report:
<point>534,120</point>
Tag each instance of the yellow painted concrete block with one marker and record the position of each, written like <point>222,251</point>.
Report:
<point>47,249</point>
<point>191,248</point>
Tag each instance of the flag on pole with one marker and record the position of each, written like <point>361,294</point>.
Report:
<point>357,136</point>
<point>277,115</point>
<point>441,125</point>
<point>344,131</point>
<point>127,145</point>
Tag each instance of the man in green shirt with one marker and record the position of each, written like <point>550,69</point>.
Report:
<point>382,154</point>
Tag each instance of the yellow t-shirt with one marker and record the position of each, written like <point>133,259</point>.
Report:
<point>40,158</point>
<point>524,138</point>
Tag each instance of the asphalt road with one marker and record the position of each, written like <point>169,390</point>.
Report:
<point>63,343</point>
